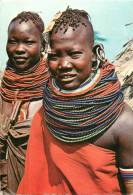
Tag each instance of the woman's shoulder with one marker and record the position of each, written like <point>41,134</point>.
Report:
<point>124,123</point>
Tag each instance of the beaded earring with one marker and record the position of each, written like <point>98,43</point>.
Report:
<point>98,51</point>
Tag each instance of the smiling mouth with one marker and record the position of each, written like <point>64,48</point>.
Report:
<point>20,60</point>
<point>67,78</point>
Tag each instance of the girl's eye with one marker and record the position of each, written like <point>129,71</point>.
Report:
<point>29,42</point>
<point>12,41</point>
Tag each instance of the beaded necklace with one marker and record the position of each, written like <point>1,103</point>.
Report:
<point>81,115</point>
<point>24,86</point>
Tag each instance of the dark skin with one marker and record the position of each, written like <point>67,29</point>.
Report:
<point>70,62</point>
<point>24,51</point>
<point>23,48</point>
<point>23,45</point>
<point>119,138</point>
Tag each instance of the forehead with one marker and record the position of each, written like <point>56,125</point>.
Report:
<point>78,33</point>
<point>24,27</point>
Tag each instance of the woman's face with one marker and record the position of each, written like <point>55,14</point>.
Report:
<point>70,59</point>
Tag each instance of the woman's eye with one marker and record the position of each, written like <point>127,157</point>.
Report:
<point>52,57</point>
<point>75,55</point>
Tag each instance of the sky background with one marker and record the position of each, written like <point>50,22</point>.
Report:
<point>109,19</point>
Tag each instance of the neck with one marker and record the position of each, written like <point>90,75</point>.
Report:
<point>23,71</point>
<point>88,84</point>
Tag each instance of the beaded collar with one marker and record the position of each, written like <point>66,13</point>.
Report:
<point>27,86</point>
<point>93,79</point>
<point>82,116</point>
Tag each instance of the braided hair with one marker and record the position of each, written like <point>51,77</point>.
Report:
<point>25,16</point>
<point>73,18</point>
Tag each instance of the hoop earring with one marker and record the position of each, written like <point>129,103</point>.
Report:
<point>99,53</point>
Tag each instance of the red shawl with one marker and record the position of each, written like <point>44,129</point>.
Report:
<point>53,167</point>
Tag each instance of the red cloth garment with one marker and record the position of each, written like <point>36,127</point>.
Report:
<point>56,167</point>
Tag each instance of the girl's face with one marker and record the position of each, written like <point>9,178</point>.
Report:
<point>23,44</point>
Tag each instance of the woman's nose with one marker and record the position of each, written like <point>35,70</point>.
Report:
<point>65,64</point>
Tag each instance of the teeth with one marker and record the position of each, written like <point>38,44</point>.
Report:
<point>67,77</point>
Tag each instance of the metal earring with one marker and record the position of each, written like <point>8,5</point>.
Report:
<point>98,51</point>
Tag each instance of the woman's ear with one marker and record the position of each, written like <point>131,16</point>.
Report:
<point>98,56</point>
<point>93,56</point>
<point>94,60</point>
<point>94,65</point>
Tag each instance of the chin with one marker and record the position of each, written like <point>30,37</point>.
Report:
<point>69,87</point>
<point>21,68</point>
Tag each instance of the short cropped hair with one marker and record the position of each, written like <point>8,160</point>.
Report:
<point>34,17</point>
<point>73,18</point>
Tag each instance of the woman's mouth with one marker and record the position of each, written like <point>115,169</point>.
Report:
<point>67,77</point>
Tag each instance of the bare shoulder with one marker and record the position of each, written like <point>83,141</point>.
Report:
<point>124,137</point>
<point>124,123</point>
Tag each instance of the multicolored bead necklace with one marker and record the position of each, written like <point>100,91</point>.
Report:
<point>80,115</point>
<point>24,86</point>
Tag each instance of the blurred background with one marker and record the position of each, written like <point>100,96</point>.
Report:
<point>112,20</point>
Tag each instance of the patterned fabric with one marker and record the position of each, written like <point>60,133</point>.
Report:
<point>24,86</point>
<point>79,115</point>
